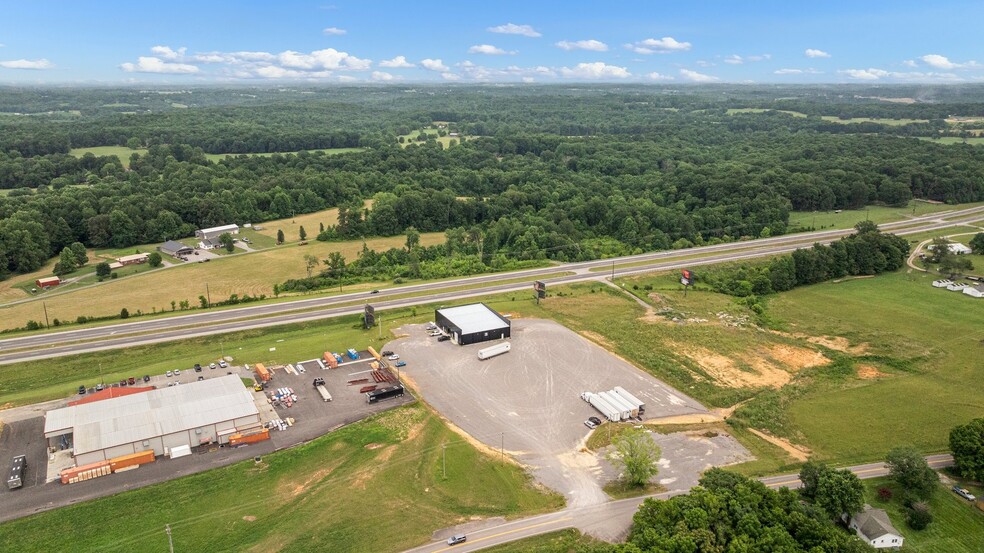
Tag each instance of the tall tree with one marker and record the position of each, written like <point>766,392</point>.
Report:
<point>977,243</point>
<point>310,262</point>
<point>227,241</point>
<point>302,233</point>
<point>637,454</point>
<point>912,473</point>
<point>967,446</point>
<point>280,236</point>
<point>413,238</point>
<point>80,254</point>
<point>839,492</point>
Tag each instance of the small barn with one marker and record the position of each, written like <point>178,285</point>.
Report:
<point>47,282</point>
<point>215,232</point>
<point>134,259</point>
<point>175,248</point>
<point>473,323</point>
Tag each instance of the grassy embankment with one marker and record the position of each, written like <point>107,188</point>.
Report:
<point>374,486</point>
<point>847,218</point>
<point>561,541</point>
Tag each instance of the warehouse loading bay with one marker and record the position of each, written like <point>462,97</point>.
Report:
<point>23,433</point>
<point>527,403</point>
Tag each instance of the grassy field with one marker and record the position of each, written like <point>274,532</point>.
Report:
<point>292,225</point>
<point>325,495</point>
<point>925,342</point>
<point>879,214</point>
<point>957,527</point>
<point>253,274</point>
<point>444,140</point>
<point>122,152</point>
<point>732,111</point>
<point>326,151</point>
<point>561,541</point>
<point>880,121</point>
<point>975,140</point>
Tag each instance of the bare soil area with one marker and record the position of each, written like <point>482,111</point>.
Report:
<point>798,452</point>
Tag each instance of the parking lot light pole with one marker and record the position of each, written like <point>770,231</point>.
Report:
<point>444,460</point>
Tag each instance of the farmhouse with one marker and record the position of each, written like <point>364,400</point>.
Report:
<point>873,526</point>
<point>955,248</point>
<point>215,232</point>
<point>132,259</point>
<point>473,323</point>
<point>209,244</point>
<point>203,412</point>
<point>47,282</point>
<point>174,248</point>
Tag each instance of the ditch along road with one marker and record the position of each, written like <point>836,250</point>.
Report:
<point>610,521</point>
<point>72,342</point>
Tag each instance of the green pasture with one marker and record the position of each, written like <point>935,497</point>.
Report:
<point>122,152</point>
<point>847,218</point>
<point>326,151</point>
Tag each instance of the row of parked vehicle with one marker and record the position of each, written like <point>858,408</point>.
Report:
<point>433,331</point>
<point>123,382</point>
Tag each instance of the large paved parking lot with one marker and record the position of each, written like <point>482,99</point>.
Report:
<point>528,400</point>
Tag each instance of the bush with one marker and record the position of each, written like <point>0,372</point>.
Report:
<point>918,516</point>
<point>114,275</point>
<point>124,313</point>
<point>884,494</point>
<point>81,320</point>
<point>33,325</point>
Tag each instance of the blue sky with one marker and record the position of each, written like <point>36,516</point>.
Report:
<point>337,41</point>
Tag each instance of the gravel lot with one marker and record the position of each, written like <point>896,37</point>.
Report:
<point>527,401</point>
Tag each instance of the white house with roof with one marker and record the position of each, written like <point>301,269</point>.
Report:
<point>874,527</point>
<point>955,248</point>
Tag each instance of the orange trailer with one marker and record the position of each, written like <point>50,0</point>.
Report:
<point>239,439</point>
<point>123,461</point>
<point>262,372</point>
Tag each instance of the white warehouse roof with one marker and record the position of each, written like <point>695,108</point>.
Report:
<point>475,317</point>
<point>132,418</point>
<point>223,228</point>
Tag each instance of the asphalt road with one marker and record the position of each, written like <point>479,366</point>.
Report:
<point>611,521</point>
<point>57,344</point>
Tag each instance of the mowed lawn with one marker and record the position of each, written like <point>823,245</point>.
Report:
<point>927,341</point>
<point>122,152</point>
<point>310,221</point>
<point>374,486</point>
<point>252,273</point>
<point>847,218</point>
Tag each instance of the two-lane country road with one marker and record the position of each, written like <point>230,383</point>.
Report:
<point>611,521</point>
<point>56,344</point>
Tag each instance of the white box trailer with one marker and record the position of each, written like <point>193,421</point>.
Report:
<point>622,402</point>
<point>492,351</point>
<point>324,393</point>
<point>631,398</point>
<point>179,451</point>
<point>623,411</point>
<point>604,407</point>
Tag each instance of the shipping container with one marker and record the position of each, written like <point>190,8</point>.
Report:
<point>384,393</point>
<point>324,393</point>
<point>17,466</point>
<point>602,406</point>
<point>492,351</point>
<point>623,411</point>
<point>632,399</point>
<point>134,459</point>
<point>180,451</point>
<point>353,355</point>
<point>330,360</point>
<point>262,372</point>
<point>240,439</point>
<point>84,472</point>
<point>620,401</point>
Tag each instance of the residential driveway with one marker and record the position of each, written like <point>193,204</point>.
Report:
<point>527,401</point>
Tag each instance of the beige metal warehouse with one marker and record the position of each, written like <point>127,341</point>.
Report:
<point>207,411</point>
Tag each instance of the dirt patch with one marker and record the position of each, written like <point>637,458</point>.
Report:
<point>249,518</point>
<point>868,372</point>
<point>726,372</point>
<point>373,446</point>
<point>796,358</point>
<point>317,476</point>
<point>7,405</point>
<point>697,418</point>
<point>798,452</point>
<point>598,339</point>
<point>836,343</point>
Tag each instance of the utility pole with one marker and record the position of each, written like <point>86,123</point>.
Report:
<point>45,306</point>
<point>208,297</point>
<point>444,460</point>
<point>170,543</point>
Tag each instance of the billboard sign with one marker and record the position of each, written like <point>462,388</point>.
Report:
<point>370,316</point>
<point>686,277</point>
<point>541,289</point>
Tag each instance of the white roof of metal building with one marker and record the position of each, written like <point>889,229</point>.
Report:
<point>475,317</point>
<point>138,417</point>
<point>223,228</point>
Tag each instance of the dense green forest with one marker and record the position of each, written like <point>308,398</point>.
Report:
<point>546,172</point>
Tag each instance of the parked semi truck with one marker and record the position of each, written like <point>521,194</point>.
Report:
<point>492,351</point>
<point>384,393</point>
<point>631,398</point>
<point>16,478</point>
<point>623,411</point>
<point>323,391</point>
<point>602,406</point>
<point>622,402</point>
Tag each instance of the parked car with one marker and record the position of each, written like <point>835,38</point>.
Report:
<point>211,365</point>
<point>177,372</point>
<point>595,420</point>
<point>401,363</point>
<point>246,240</point>
<point>196,253</point>
<point>456,539</point>
<point>200,378</point>
<point>131,381</point>
<point>223,364</point>
<point>198,368</point>
<point>374,292</point>
<point>436,333</point>
<point>100,387</point>
<point>387,353</point>
<point>590,424</point>
<point>443,338</point>
<point>146,378</point>
<point>964,493</point>
<point>169,374</point>
<point>393,357</point>
<point>82,390</point>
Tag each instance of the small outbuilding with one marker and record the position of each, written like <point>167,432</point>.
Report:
<point>215,232</point>
<point>175,248</point>
<point>874,527</point>
<point>473,323</point>
<point>47,282</point>
<point>975,291</point>
<point>955,248</point>
<point>132,259</point>
<point>209,244</point>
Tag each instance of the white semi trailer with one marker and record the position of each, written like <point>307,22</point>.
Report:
<point>631,398</point>
<point>623,411</point>
<point>324,392</point>
<point>622,402</point>
<point>492,351</point>
<point>606,409</point>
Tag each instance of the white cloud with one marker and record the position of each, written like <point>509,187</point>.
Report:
<point>150,64</point>
<point>590,44</point>
<point>434,65</point>
<point>234,57</point>
<point>165,52</point>
<point>27,64</point>
<point>704,63</point>
<point>329,58</point>
<point>734,59</point>
<point>334,31</point>
<point>909,63</point>
<point>659,77</point>
<point>347,79</point>
<point>449,76</point>
<point>814,53</point>
<point>595,70</point>
<point>382,76</point>
<point>529,80</point>
<point>865,74</point>
<point>397,62</point>
<point>697,77</point>
<point>664,45</point>
<point>942,62</point>
<point>874,74</point>
<point>488,49</point>
<point>513,29</point>
<point>788,71</point>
